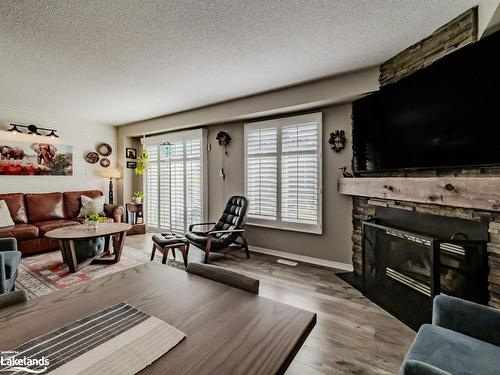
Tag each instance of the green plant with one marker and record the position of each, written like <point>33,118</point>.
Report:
<point>138,195</point>
<point>94,216</point>
<point>142,164</point>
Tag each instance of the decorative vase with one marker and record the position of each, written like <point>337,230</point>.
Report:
<point>137,200</point>
<point>91,225</point>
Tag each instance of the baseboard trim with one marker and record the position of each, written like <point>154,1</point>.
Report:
<point>303,258</point>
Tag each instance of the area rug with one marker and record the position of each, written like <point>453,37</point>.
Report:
<point>45,273</point>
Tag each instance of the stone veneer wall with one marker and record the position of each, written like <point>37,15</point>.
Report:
<point>454,35</point>
<point>363,208</point>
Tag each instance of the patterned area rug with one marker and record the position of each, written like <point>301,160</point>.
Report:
<point>45,273</point>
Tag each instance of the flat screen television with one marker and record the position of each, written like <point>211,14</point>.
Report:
<point>446,115</point>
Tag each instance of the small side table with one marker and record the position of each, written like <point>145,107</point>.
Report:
<point>166,241</point>
<point>133,211</point>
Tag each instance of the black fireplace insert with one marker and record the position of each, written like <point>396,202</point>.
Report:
<point>404,269</point>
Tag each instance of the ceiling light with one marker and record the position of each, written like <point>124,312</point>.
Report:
<point>33,130</point>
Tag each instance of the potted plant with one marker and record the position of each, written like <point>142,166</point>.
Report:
<point>142,164</point>
<point>137,197</point>
<point>93,220</point>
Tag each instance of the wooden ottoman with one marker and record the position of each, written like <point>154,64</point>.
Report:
<point>166,241</point>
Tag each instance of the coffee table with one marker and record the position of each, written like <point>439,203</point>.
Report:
<point>68,235</point>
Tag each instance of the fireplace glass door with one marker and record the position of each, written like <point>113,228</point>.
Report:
<point>398,272</point>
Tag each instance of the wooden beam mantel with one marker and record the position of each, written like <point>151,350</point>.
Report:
<point>467,192</point>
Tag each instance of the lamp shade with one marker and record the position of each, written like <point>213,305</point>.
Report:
<point>110,173</point>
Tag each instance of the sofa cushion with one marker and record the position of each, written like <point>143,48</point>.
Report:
<point>17,209</point>
<point>20,232</point>
<point>72,201</point>
<point>5,218</point>
<point>43,207</point>
<point>91,206</point>
<point>47,226</point>
<point>451,352</point>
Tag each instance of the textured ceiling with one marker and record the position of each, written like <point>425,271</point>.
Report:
<point>118,61</point>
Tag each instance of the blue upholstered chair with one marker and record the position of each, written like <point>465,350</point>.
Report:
<point>463,339</point>
<point>9,261</point>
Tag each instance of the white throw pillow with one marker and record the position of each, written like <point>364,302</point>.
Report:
<point>91,206</point>
<point>5,219</point>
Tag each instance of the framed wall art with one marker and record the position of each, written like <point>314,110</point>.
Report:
<point>35,159</point>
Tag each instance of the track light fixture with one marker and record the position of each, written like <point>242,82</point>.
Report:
<point>14,129</point>
<point>33,130</point>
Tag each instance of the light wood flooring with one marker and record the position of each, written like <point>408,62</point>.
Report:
<point>352,335</point>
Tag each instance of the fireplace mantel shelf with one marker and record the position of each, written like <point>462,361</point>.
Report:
<point>481,193</point>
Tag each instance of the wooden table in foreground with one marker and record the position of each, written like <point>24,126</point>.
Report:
<point>68,235</point>
<point>228,331</point>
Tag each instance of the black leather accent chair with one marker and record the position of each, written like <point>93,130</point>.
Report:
<point>224,234</point>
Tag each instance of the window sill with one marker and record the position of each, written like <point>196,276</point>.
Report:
<point>270,226</point>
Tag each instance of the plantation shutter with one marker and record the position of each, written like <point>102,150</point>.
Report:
<point>299,173</point>
<point>177,198</point>
<point>174,182</point>
<point>283,172</point>
<point>193,182</point>
<point>262,172</point>
<point>152,191</point>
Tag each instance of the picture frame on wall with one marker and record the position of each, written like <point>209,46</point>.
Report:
<point>35,159</point>
<point>131,153</point>
<point>131,164</point>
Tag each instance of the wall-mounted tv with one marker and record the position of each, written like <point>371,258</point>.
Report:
<point>444,116</point>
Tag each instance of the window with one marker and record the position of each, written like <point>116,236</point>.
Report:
<point>174,186</point>
<point>283,172</point>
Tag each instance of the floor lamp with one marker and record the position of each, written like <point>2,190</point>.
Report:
<point>110,173</point>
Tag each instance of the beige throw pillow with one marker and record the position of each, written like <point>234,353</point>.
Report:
<point>5,219</point>
<point>91,206</point>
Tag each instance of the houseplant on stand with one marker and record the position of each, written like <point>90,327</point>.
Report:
<point>137,197</point>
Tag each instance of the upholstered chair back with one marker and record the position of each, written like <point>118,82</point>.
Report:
<point>233,217</point>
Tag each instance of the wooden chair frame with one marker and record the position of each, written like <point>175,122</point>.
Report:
<point>211,235</point>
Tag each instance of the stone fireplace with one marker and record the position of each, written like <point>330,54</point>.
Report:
<point>364,207</point>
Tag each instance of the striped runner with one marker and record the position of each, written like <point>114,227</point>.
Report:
<point>120,339</point>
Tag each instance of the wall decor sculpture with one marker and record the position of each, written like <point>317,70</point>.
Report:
<point>337,140</point>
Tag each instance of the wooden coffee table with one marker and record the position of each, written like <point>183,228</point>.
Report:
<point>68,235</point>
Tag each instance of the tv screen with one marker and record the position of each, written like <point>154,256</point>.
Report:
<point>445,115</point>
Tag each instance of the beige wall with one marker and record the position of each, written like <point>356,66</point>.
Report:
<point>335,242</point>
<point>488,17</point>
<point>83,136</point>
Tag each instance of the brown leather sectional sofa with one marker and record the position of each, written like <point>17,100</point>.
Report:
<point>36,214</point>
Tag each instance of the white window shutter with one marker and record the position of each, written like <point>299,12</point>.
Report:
<point>283,172</point>
<point>152,191</point>
<point>299,173</point>
<point>173,184</point>
<point>262,173</point>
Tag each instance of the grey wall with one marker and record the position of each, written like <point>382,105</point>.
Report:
<point>335,242</point>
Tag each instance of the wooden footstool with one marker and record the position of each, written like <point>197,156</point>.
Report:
<point>166,241</point>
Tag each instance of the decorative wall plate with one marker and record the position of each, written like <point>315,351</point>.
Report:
<point>105,162</point>
<point>92,157</point>
<point>104,149</point>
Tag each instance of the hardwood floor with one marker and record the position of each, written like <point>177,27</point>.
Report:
<point>352,335</point>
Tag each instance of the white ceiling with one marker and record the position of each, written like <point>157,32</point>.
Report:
<point>118,61</point>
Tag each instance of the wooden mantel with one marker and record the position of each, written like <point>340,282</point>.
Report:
<point>481,193</point>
